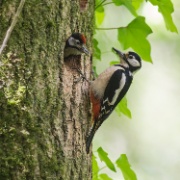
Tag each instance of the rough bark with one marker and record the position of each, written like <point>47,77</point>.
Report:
<point>44,112</point>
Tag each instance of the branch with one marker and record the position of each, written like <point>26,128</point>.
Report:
<point>108,28</point>
<point>11,27</point>
<point>100,4</point>
<point>107,3</point>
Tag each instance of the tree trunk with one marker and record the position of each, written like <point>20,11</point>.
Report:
<point>44,109</point>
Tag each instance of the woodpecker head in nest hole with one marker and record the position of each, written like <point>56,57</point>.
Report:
<point>75,45</point>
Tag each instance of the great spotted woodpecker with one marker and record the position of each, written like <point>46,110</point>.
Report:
<point>75,45</point>
<point>109,88</point>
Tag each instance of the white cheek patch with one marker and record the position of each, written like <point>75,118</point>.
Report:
<point>71,41</point>
<point>134,62</point>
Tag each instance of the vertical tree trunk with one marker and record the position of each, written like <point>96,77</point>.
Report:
<point>44,112</point>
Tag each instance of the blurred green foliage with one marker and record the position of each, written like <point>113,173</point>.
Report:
<point>134,36</point>
<point>166,8</point>
<point>127,4</point>
<point>104,157</point>
<point>122,163</point>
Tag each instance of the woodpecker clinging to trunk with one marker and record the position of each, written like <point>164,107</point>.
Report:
<point>109,88</point>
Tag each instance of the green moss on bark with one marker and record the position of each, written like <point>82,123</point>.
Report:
<point>32,102</point>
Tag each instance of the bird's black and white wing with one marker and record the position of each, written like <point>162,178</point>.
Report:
<point>116,89</point>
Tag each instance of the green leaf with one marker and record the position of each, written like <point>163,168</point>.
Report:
<point>104,157</point>
<point>96,50</point>
<point>98,3</point>
<point>128,4</point>
<point>165,7</point>
<point>99,15</point>
<point>137,3</point>
<point>95,168</point>
<point>134,36</point>
<point>113,63</point>
<point>123,108</point>
<point>104,177</point>
<point>125,168</point>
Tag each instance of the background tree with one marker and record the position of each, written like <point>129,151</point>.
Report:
<point>43,111</point>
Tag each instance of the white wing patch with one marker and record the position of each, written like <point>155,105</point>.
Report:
<point>117,91</point>
<point>134,62</point>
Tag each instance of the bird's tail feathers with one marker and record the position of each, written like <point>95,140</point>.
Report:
<point>90,138</point>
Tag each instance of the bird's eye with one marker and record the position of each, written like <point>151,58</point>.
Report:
<point>77,42</point>
<point>130,57</point>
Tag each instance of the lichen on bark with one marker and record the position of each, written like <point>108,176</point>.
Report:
<point>43,113</point>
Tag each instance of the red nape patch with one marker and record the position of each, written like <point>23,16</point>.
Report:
<point>83,38</point>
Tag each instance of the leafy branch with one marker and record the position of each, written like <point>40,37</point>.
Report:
<point>108,28</point>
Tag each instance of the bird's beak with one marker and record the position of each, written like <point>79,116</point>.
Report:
<point>122,55</point>
<point>85,50</point>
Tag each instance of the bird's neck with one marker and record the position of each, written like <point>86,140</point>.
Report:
<point>71,52</point>
<point>124,64</point>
